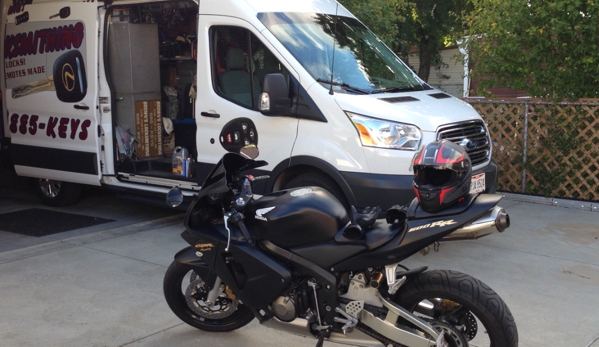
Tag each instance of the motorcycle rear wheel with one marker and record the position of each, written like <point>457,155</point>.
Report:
<point>463,301</point>
<point>183,291</point>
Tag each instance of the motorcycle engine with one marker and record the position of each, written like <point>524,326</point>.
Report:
<point>284,308</point>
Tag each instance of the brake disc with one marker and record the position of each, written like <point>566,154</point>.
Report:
<point>196,294</point>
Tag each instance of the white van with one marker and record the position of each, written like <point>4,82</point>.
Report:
<point>106,93</point>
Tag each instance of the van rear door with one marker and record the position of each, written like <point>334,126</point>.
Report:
<point>51,80</point>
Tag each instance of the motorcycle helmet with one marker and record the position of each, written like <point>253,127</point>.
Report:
<point>442,174</point>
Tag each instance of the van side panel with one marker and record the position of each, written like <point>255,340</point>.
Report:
<point>50,81</point>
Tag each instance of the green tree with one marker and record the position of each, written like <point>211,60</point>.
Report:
<point>549,48</point>
<point>402,24</point>
<point>380,16</point>
<point>432,25</point>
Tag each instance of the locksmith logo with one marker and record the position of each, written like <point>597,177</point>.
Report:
<point>261,212</point>
<point>440,224</point>
<point>68,77</point>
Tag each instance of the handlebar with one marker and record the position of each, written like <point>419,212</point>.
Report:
<point>237,219</point>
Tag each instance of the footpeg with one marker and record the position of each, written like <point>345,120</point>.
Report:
<point>349,321</point>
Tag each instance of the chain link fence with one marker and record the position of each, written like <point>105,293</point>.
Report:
<point>542,148</point>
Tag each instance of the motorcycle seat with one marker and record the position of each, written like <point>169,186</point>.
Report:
<point>379,234</point>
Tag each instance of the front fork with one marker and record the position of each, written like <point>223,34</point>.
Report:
<point>216,290</point>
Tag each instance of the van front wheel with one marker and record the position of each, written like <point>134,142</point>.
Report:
<point>57,193</point>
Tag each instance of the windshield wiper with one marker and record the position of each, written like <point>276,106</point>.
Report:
<point>394,89</point>
<point>344,85</point>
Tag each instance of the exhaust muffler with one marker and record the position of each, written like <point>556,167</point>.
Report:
<point>495,220</point>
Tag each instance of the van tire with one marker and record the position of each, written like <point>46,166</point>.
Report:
<point>318,180</point>
<point>57,193</point>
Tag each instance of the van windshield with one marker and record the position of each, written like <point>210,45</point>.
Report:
<point>322,43</point>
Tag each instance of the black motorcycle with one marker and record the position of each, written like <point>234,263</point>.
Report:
<point>297,261</point>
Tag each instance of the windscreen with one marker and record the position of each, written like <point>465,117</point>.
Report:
<point>325,44</point>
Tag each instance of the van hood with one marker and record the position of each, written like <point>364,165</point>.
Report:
<point>427,109</point>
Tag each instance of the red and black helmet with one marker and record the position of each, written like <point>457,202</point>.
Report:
<point>442,174</point>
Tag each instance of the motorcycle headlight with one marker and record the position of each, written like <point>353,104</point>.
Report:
<point>385,134</point>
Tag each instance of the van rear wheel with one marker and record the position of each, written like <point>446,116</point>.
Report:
<point>57,193</point>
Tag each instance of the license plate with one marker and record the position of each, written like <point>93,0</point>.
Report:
<point>478,183</point>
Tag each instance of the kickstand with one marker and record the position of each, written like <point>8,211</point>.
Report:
<point>320,340</point>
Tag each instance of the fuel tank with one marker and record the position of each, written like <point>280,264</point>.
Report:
<point>296,217</point>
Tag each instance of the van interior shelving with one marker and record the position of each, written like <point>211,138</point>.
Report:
<point>151,69</point>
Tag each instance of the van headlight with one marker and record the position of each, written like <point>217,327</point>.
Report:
<point>385,134</point>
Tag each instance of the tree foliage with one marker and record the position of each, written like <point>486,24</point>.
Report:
<point>380,16</point>
<point>432,24</point>
<point>402,24</point>
<point>549,48</point>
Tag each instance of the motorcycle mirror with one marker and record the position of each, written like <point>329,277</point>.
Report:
<point>249,152</point>
<point>174,197</point>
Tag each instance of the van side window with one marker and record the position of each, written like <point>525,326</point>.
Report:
<point>239,63</point>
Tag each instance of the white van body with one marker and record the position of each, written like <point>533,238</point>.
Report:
<point>78,78</point>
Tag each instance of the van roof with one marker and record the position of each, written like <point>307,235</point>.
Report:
<point>311,6</point>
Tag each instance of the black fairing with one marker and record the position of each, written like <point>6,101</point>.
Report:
<point>256,278</point>
<point>299,217</point>
<point>420,233</point>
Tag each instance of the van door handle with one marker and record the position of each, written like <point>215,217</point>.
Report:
<point>79,107</point>
<point>211,115</point>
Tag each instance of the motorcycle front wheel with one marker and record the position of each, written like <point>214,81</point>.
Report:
<point>464,304</point>
<point>185,292</point>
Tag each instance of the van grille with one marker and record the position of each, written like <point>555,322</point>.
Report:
<point>473,131</point>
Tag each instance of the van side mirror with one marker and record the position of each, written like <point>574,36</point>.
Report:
<point>274,99</point>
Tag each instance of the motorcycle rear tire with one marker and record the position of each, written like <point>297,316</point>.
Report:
<point>175,297</point>
<point>466,291</point>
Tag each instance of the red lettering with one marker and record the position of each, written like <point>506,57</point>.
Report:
<point>14,120</point>
<point>36,42</point>
<point>42,35</point>
<point>77,38</point>
<point>23,126</point>
<point>62,128</point>
<point>52,122</point>
<point>44,40</point>
<point>67,37</point>
<point>26,43</point>
<point>83,134</point>
<point>51,40</point>
<point>59,45</point>
<point>7,45</point>
<point>74,127</point>
<point>33,124</point>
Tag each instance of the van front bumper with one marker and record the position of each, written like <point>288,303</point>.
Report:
<point>388,190</point>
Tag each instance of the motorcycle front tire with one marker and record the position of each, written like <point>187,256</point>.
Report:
<point>174,293</point>
<point>436,288</point>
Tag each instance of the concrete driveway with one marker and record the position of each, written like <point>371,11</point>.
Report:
<point>104,288</point>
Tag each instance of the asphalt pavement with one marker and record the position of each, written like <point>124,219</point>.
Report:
<point>102,285</point>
